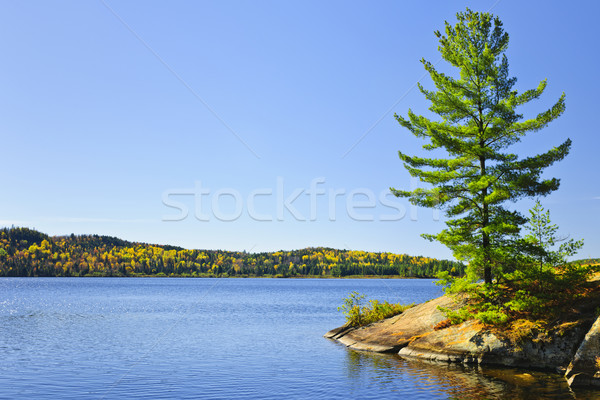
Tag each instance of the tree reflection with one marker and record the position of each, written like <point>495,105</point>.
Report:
<point>455,381</point>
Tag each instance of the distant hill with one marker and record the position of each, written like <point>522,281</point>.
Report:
<point>27,252</point>
<point>587,261</point>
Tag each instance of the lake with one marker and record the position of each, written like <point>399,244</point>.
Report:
<point>162,338</point>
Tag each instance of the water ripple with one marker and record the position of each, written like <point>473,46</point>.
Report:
<point>239,338</point>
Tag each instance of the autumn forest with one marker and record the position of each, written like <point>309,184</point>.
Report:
<point>27,252</point>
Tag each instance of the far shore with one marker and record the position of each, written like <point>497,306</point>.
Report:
<point>237,276</point>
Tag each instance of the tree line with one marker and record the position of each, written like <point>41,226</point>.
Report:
<point>27,252</point>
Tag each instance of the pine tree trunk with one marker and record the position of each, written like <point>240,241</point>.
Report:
<point>487,268</point>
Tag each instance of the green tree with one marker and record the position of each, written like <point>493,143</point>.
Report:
<point>545,281</point>
<point>478,123</point>
<point>548,263</point>
<point>542,286</point>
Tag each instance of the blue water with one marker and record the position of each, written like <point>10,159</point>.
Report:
<point>111,338</point>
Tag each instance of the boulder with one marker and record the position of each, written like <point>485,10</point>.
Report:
<point>584,369</point>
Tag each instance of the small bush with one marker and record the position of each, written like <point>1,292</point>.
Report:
<point>524,301</point>
<point>456,317</point>
<point>492,317</point>
<point>377,311</point>
<point>358,314</point>
<point>352,308</point>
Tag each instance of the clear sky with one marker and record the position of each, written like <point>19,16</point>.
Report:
<point>205,124</point>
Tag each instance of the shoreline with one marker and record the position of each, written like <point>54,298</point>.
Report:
<point>570,349</point>
<point>233,277</point>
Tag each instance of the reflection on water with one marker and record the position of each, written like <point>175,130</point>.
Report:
<point>458,381</point>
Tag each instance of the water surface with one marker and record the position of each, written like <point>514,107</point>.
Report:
<point>96,338</point>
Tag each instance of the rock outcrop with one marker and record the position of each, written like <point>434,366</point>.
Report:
<point>392,334</point>
<point>584,369</point>
<point>412,335</point>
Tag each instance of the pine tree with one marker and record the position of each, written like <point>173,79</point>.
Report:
<point>548,262</point>
<point>542,235</point>
<point>478,123</point>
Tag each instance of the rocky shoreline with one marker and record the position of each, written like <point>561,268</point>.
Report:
<point>571,348</point>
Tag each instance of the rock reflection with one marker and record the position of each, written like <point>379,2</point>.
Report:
<point>457,381</point>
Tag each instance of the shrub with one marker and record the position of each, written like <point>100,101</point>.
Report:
<point>352,308</point>
<point>358,314</point>
<point>492,317</point>
<point>456,317</point>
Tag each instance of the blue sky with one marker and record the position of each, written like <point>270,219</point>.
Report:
<point>110,109</point>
